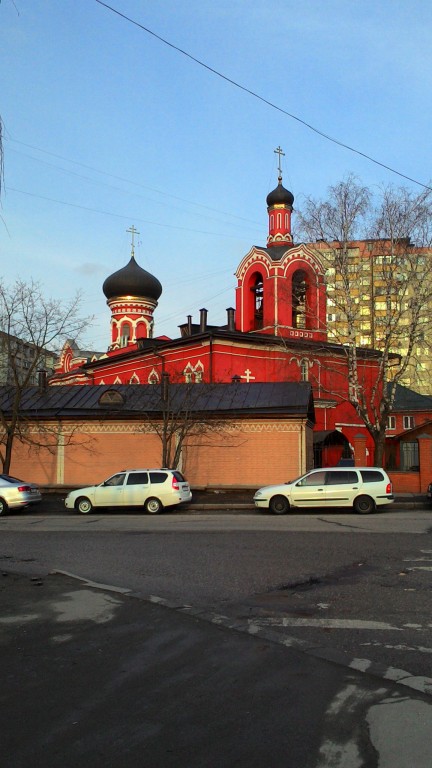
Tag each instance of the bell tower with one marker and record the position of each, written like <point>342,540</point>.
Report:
<point>281,288</point>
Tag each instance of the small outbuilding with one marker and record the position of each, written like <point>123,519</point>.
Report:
<point>246,434</point>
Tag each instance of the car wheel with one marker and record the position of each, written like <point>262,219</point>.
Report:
<point>279,505</point>
<point>364,505</point>
<point>3,507</point>
<point>83,505</point>
<point>153,506</point>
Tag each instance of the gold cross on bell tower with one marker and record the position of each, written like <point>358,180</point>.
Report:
<point>133,232</point>
<point>279,152</point>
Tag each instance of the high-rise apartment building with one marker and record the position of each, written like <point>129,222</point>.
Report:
<point>380,294</point>
<point>18,358</point>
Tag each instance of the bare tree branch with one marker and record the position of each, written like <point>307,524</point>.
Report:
<point>378,260</point>
<point>32,331</point>
<point>184,421</point>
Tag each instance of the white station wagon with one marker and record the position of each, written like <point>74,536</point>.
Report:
<point>148,489</point>
<point>362,489</point>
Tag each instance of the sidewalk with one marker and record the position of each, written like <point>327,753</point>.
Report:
<point>242,501</point>
<point>95,678</point>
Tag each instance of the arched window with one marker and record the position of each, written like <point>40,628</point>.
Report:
<point>199,372</point>
<point>304,370</point>
<point>299,299</point>
<point>125,334</point>
<point>258,291</point>
<point>193,374</point>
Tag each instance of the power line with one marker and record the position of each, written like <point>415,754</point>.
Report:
<point>128,181</point>
<point>261,98</point>
<point>121,216</point>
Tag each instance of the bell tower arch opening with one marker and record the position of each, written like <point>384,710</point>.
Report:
<point>258,301</point>
<point>300,290</point>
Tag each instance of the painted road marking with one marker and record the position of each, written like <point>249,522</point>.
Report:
<point>326,623</point>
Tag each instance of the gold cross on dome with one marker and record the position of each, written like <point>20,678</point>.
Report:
<point>133,232</point>
<point>279,152</point>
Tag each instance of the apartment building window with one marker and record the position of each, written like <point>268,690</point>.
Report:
<point>383,259</point>
<point>391,422</point>
<point>408,422</point>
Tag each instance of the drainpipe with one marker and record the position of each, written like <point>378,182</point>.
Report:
<point>211,360</point>
<point>161,357</point>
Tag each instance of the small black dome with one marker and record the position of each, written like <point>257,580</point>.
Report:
<point>132,280</point>
<point>280,196</point>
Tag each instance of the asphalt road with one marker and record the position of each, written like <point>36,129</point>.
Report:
<point>92,677</point>
<point>323,660</point>
<point>347,587</point>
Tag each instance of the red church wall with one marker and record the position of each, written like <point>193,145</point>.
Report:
<point>221,360</point>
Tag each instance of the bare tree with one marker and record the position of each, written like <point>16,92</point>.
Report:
<point>378,260</point>
<point>32,330</point>
<point>185,418</point>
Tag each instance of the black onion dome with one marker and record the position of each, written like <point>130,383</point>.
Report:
<point>280,196</point>
<point>132,280</point>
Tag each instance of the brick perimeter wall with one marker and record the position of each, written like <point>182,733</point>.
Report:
<point>247,454</point>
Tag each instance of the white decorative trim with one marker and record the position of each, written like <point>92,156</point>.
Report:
<point>153,377</point>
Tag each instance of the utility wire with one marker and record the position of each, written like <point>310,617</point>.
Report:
<point>121,216</point>
<point>128,181</point>
<point>261,98</point>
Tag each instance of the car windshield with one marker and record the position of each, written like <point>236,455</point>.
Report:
<point>115,480</point>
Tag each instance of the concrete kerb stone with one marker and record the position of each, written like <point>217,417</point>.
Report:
<point>365,666</point>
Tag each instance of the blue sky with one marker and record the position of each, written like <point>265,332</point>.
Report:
<point>105,126</point>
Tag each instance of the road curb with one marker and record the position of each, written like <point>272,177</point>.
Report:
<point>419,684</point>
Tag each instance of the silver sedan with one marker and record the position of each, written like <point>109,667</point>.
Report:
<point>17,494</point>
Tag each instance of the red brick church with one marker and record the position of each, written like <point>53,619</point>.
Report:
<point>275,333</point>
